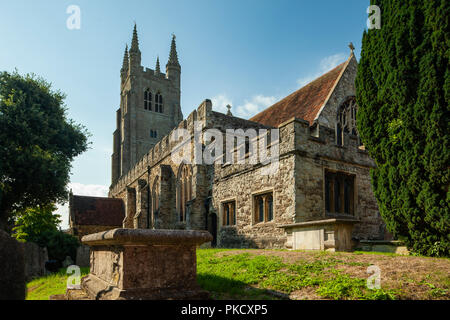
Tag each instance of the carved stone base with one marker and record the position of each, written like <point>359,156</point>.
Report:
<point>94,288</point>
<point>142,264</point>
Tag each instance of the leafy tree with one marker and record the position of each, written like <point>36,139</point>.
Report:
<point>40,225</point>
<point>59,245</point>
<point>403,93</point>
<point>37,144</point>
<point>33,222</point>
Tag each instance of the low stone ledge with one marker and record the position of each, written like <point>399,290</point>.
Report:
<point>327,234</point>
<point>318,222</point>
<point>147,237</point>
<point>142,264</point>
<point>389,246</point>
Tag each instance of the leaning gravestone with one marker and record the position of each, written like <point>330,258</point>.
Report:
<point>12,269</point>
<point>142,264</point>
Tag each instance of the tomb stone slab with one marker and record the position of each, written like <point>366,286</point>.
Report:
<point>142,264</point>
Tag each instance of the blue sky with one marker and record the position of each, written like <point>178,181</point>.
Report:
<point>249,53</point>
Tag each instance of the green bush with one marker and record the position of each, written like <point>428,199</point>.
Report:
<point>40,225</point>
<point>59,245</point>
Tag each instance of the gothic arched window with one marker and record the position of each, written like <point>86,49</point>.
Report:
<point>184,190</point>
<point>346,120</point>
<point>147,100</point>
<point>155,201</point>
<point>158,103</point>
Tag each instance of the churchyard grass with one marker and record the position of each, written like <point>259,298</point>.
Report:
<point>42,288</point>
<point>281,274</point>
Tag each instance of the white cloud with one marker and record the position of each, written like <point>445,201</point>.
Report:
<point>89,189</point>
<point>249,108</point>
<point>325,65</point>
<point>253,106</point>
<point>80,190</point>
<point>220,102</point>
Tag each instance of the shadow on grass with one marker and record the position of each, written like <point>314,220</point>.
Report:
<point>222,288</point>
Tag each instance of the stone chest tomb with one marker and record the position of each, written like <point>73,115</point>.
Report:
<point>129,264</point>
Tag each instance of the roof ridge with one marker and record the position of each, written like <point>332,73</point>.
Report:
<point>96,197</point>
<point>344,67</point>
<point>304,101</point>
<point>323,75</point>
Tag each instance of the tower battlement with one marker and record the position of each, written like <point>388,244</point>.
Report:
<point>149,107</point>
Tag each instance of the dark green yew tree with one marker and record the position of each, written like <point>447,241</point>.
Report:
<point>403,93</point>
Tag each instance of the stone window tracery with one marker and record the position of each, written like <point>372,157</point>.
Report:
<point>158,103</point>
<point>339,193</point>
<point>147,100</point>
<point>346,120</point>
<point>155,200</point>
<point>184,190</point>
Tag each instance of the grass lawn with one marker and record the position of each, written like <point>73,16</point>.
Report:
<point>281,274</point>
<point>43,288</point>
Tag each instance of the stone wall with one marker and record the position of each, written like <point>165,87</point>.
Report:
<point>158,169</point>
<point>298,186</point>
<point>344,88</point>
<point>35,258</point>
<point>242,187</point>
<point>12,267</point>
<point>315,155</point>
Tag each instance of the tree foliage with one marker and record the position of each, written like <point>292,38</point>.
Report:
<point>40,225</point>
<point>59,245</point>
<point>37,144</point>
<point>403,93</point>
<point>32,222</point>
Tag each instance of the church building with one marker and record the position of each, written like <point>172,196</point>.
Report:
<point>319,197</point>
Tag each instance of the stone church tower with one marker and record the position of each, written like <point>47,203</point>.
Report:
<point>149,107</point>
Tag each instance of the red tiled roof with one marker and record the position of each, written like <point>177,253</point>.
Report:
<point>304,103</point>
<point>97,211</point>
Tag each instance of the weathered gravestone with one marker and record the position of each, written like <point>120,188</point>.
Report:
<point>83,256</point>
<point>142,264</point>
<point>12,268</point>
<point>35,258</point>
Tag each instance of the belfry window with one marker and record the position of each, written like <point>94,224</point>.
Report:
<point>339,193</point>
<point>158,103</point>
<point>153,134</point>
<point>147,100</point>
<point>346,120</point>
<point>263,207</point>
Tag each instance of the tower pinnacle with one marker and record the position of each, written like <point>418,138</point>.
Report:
<point>135,40</point>
<point>125,59</point>
<point>134,53</point>
<point>173,57</point>
<point>158,68</point>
